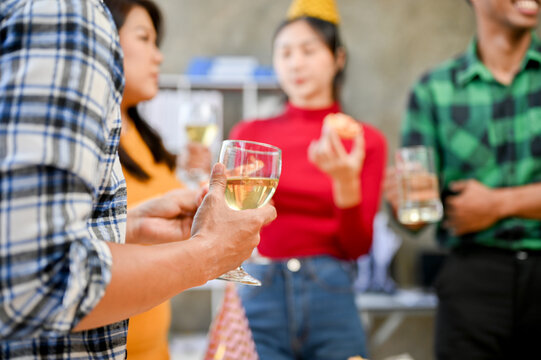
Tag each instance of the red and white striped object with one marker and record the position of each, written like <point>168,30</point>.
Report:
<point>230,337</point>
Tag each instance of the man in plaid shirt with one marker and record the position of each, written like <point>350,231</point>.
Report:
<point>66,283</point>
<point>481,112</point>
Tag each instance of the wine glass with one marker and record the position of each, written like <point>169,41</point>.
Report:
<point>252,171</point>
<point>419,200</point>
<point>201,127</point>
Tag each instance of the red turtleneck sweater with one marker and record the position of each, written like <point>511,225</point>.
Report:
<point>308,222</point>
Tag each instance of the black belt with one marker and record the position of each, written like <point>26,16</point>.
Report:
<point>520,254</point>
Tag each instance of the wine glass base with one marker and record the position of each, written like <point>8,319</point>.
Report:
<point>240,276</point>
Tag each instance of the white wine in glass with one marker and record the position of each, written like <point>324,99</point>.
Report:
<point>201,128</point>
<point>419,200</point>
<point>202,133</point>
<point>249,193</point>
<point>252,171</point>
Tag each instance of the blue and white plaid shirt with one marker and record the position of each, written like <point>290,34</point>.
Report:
<point>62,192</point>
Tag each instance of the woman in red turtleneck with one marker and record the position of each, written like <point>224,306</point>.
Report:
<point>327,198</point>
<point>311,219</point>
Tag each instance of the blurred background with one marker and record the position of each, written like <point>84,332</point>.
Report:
<point>390,43</point>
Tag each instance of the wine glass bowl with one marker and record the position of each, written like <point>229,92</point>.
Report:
<point>202,124</point>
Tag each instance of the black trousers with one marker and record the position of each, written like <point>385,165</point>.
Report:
<point>489,305</point>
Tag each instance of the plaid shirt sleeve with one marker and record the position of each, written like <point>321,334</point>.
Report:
<point>60,86</point>
<point>418,125</point>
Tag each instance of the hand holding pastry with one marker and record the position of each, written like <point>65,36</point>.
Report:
<point>329,155</point>
<point>328,152</point>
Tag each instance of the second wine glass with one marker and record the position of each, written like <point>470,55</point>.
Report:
<point>201,127</point>
<point>252,171</point>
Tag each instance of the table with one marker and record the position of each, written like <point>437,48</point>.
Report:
<point>395,308</point>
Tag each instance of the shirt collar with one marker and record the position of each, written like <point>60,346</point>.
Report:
<point>474,67</point>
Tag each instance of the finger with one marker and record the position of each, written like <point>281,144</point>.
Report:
<point>319,156</point>
<point>325,158</point>
<point>358,144</point>
<point>325,142</point>
<point>267,212</point>
<point>326,129</point>
<point>203,191</point>
<point>316,158</point>
<point>186,199</point>
<point>336,145</point>
<point>178,202</point>
<point>217,180</point>
<point>459,186</point>
<point>185,227</point>
<point>452,201</point>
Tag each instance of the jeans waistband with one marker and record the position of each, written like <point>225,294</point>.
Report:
<point>294,264</point>
<point>262,260</point>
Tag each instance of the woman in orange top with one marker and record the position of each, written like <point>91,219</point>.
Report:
<point>148,166</point>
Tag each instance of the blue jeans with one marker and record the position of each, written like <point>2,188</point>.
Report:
<point>305,314</point>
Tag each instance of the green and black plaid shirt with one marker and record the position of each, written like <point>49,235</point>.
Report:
<point>483,130</point>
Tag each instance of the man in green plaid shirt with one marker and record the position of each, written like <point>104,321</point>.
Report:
<point>481,113</point>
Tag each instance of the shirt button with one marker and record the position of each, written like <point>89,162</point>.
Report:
<point>293,265</point>
<point>522,255</point>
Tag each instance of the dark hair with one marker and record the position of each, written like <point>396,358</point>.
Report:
<point>330,35</point>
<point>120,9</point>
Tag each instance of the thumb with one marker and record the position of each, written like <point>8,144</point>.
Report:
<point>217,180</point>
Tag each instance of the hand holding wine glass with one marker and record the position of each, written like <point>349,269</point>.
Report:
<point>418,190</point>
<point>230,235</point>
<point>252,171</point>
